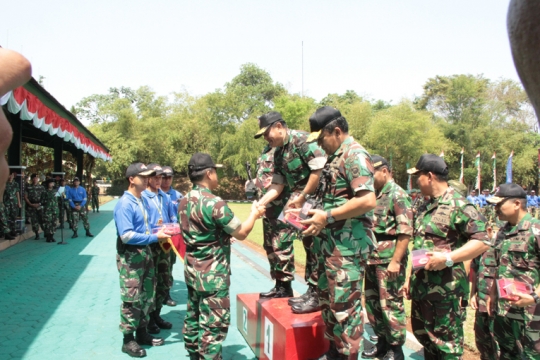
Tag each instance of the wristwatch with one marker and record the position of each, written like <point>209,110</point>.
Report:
<point>449,262</point>
<point>536,298</point>
<point>329,218</point>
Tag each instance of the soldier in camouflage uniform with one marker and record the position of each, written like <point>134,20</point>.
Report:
<point>4,226</point>
<point>12,202</point>
<point>278,236</point>
<point>50,210</point>
<point>345,227</point>
<point>134,261</point>
<point>77,202</point>
<point>297,168</point>
<point>385,273</point>
<point>207,224</point>
<point>517,257</point>
<point>95,197</point>
<point>32,197</point>
<point>452,231</point>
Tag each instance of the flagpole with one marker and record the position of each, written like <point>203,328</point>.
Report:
<point>494,157</point>
<point>461,161</point>
<point>478,171</point>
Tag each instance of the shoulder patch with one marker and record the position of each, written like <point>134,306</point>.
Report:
<point>471,212</point>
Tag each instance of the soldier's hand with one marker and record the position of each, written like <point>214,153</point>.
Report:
<point>436,262</point>
<point>407,289</point>
<point>315,223</point>
<point>297,202</point>
<point>257,209</point>
<point>393,269</point>
<point>161,235</point>
<point>524,300</point>
<point>474,302</point>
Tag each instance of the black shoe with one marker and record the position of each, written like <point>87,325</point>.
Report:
<point>152,326</point>
<point>97,210</point>
<point>304,297</point>
<point>51,239</point>
<point>37,236</point>
<point>395,353</point>
<point>380,349</point>
<point>8,236</point>
<point>373,338</point>
<point>88,234</point>
<point>308,306</point>
<point>133,349</point>
<point>169,301</point>
<point>74,235</point>
<point>269,294</point>
<point>147,339</point>
<point>281,290</point>
<point>162,324</point>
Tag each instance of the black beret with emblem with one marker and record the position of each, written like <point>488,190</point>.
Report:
<point>378,162</point>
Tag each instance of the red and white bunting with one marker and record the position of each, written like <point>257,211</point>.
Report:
<point>47,120</point>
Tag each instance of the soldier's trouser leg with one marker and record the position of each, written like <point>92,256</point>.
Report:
<point>49,224</point>
<point>311,275</point>
<point>172,261</point>
<point>137,287</point>
<point>83,215</point>
<point>509,332</point>
<point>437,326</point>
<point>95,203</point>
<point>207,322</point>
<point>68,212</point>
<point>484,337</point>
<point>384,303</point>
<point>4,226</point>
<point>11,213</point>
<point>34,221</point>
<point>278,243</point>
<point>162,261</point>
<point>75,220</point>
<point>340,297</point>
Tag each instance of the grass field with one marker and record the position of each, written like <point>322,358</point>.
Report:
<point>256,237</point>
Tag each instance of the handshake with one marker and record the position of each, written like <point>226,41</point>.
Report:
<point>257,209</point>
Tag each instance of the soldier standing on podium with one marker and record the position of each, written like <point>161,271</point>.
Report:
<point>385,273</point>
<point>345,226</point>
<point>297,166</point>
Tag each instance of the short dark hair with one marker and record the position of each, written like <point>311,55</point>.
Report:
<point>522,201</point>
<point>198,175</point>
<point>340,123</point>
<point>442,178</point>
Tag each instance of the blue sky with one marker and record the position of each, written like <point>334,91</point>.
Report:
<point>380,49</point>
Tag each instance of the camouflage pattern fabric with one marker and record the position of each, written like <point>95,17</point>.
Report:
<point>208,313</point>
<point>484,336</point>
<point>206,223</point>
<point>438,327</point>
<point>49,211</point>
<point>278,237</point>
<point>81,214</point>
<point>447,223</point>
<point>343,248</point>
<point>517,254</point>
<point>340,297</point>
<point>294,161</point>
<point>67,211</point>
<point>393,216</point>
<point>33,193</point>
<point>11,203</point>
<point>384,303</point>
<point>95,197</point>
<point>4,226</point>
<point>162,260</point>
<point>137,287</point>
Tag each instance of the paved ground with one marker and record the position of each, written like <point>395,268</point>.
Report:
<point>62,301</point>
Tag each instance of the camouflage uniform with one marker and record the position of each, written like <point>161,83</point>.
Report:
<point>95,197</point>
<point>447,223</point>
<point>11,203</point>
<point>278,236</point>
<point>134,262</point>
<point>485,268</point>
<point>4,227</point>
<point>77,196</point>
<point>67,208</point>
<point>206,222</point>
<point>517,254</point>
<point>50,211</point>
<point>344,248</point>
<point>384,297</point>
<point>293,163</point>
<point>33,193</point>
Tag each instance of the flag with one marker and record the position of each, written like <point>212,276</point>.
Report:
<point>509,168</point>
<point>442,154</point>
<point>461,163</point>
<point>477,164</point>
<point>494,158</point>
<point>409,180</point>
<point>175,242</point>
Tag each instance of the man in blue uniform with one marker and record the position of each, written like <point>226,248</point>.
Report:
<point>77,203</point>
<point>472,198</point>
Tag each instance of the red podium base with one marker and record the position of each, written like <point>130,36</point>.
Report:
<point>274,332</point>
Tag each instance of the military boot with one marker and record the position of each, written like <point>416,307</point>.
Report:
<point>169,300</point>
<point>300,299</point>
<point>9,236</point>
<point>152,326</point>
<point>37,236</point>
<point>378,350</point>
<point>395,353</point>
<point>133,349</point>
<point>51,238</point>
<point>144,338</point>
<point>88,234</point>
<point>281,290</point>
<point>271,293</point>
<point>162,324</point>
<point>310,305</point>
<point>74,235</point>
